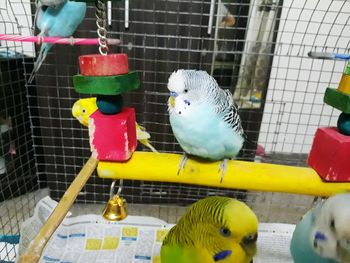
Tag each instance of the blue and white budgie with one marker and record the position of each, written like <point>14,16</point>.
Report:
<point>57,21</point>
<point>40,3</point>
<point>323,234</point>
<point>204,117</point>
<point>50,2</point>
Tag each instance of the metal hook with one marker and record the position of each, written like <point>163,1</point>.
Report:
<point>126,14</point>
<point>111,192</point>
<point>109,13</point>
<point>211,16</point>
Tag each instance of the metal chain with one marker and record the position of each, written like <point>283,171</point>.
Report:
<point>101,26</point>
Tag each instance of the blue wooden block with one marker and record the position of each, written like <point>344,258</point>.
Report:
<point>109,104</point>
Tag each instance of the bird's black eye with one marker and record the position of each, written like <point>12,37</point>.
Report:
<point>186,90</point>
<point>225,232</point>
<point>84,110</point>
<point>332,224</point>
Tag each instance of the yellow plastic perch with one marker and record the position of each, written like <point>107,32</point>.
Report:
<point>239,175</point>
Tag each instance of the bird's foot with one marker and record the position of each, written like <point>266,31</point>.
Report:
<point>182,163</point>
<point>223,168</point>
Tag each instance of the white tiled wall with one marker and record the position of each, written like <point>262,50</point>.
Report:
<point>294,104</point>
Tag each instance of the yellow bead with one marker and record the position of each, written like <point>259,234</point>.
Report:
<point>344,84</point>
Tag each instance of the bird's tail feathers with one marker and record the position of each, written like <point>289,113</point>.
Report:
<point>247,140</point>
<point>40,59</point>
<point>148,145</point>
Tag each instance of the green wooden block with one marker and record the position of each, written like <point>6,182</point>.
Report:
<point>106,85</point>
<point>337,99</point>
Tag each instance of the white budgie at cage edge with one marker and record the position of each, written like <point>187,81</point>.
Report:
<point>323,234</point>
<point>204,117</point>
<point>59,20</point>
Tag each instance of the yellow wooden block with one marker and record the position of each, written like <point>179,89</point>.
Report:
<point>93,244</point>
<point>344,84</point>
<point>163,167</point>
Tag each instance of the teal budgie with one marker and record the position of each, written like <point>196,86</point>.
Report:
<point>57,21</point>
<point>49,2</point>
<point>40,3</point>
<point>214,229</point>
<point>323,234</point>
<point>204,117</point>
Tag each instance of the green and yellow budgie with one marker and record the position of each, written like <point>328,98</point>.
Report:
<point>214,229</point>
<point>83,108</point>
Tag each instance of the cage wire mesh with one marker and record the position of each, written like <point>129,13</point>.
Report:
<point>18,177</point>
<point>255,48</point>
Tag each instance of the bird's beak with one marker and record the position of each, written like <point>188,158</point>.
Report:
<point>172,99</point>
<point>249,244</point>
<point>75,110</point>
<point>172,102</point>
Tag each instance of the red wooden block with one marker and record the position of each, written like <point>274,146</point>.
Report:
<point>329,155</point>
<point>100,65</point>
<point>113,137</point>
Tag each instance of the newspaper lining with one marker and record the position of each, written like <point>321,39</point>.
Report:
<point>137,239</point>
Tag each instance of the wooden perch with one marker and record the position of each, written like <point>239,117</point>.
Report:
<point>36,247</point>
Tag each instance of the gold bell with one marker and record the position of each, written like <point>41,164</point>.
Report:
<point>115,209</point>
